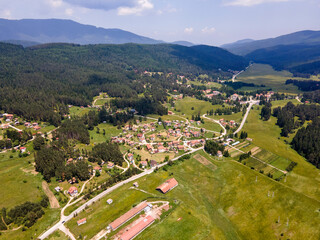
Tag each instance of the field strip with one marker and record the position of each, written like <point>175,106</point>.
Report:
<point>284,172</point>
<point>52,199</point>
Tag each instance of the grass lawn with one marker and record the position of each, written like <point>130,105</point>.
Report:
<point>110,131</point>
<point>58,235</point>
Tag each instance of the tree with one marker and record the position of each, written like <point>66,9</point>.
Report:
<point>38,142</point>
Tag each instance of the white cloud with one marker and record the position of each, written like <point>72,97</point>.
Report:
<point>248,3</point>
<point>189,30</point>
<point>208,30</point>
<point>69,11</point>
<point>102,4</point>
<point>141,6</point>
<point>5,14</point>
<point>55,3</point>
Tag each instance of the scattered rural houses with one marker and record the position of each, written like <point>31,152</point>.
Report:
<point>168,185</point>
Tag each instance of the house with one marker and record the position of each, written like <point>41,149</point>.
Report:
<point>9,116</point>
<point>135,184</point>
<point>219,154</point>
<point>161,149</point>
<point>149,147</point>
<point>23,149</point>
<point>98,168</point>
<point>144,163</point>
<point>168,185</point>
<point>58,189</point>
<point>152,137</point>
<point>109,201</point>
<point>36,128</point>
<point>137,228</point>
<point>141,137</point>
<point>110,165</point>
<point>196,134</point>
<point>167,123</point>
<point>181,148</point>
<point>81,221</point>
<point>73,191</point>
<point>153,163</point>
<point>35,124</point>
<point>130,156</point>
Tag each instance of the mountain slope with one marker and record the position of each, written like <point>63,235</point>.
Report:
<point>67,31</point>
<point>36,81</point>
<point>295,58</point>
<point>302,37</point>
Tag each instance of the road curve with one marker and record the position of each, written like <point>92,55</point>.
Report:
<point>104,193</point>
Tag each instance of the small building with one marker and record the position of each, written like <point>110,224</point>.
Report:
<point>73,191</point>
<point>98,168</point>
<point>109,201</point>
<point>130,156</point>
<point>135,184</point>
<point>219,154</point>
<point>153,163</point>
<point>110,165</point>
<point>144,163</point>
<point>58,189</point>
<point>168,185</point>
<point>81,221</point>
<point>23,149</point>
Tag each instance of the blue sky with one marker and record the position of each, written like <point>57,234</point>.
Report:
<point>212,22</point>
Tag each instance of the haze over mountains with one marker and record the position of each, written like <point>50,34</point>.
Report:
<point>67,31</point>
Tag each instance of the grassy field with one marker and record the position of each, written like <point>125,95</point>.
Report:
<point>222,202</point>
<point>262,74</point>
<point>19,184</point>
<point>304,178</point>
<point>78,111</point>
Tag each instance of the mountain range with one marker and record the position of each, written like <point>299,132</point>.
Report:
<point>246,46</point>
<point>66,31</point>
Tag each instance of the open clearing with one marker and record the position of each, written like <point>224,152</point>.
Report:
<point>52,199</point>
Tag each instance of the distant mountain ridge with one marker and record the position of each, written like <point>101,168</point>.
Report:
<point>66,31</point>
<point>306,37</point>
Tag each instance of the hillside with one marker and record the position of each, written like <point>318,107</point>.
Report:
<point>37,80</point>
<point>302,37</point>
<point>67,31</point>
<point>295,58</point>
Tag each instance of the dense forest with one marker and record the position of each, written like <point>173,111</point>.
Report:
<point>306,141</point>
<point>312,96</point>
<point>39,82</point>
<point>305,85</point>
<point>302,60</point>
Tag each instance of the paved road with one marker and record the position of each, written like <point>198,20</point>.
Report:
<point>104,193</point>
<point>251,103</point>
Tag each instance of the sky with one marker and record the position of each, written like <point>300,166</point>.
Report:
<point>212,22</point>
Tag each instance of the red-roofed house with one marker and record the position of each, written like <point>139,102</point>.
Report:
<point>81,221</point>
<point>73,191</point>
<point>130,156</point>
<point>168,185</point>
<point>23,149</point>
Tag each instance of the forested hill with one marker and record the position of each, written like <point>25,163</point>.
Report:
<point>299,59</point>
<point>38,82</point>
<point>306,37</point>
<point>66,31</point>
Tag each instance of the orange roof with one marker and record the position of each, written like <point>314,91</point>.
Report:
<point>136,229</point>
<point>128,215</point>
<point>72,189</point>
<point>168,185</point>
<point>81,221</point>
